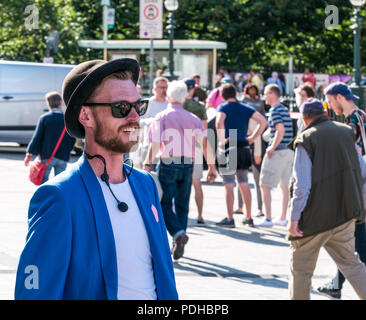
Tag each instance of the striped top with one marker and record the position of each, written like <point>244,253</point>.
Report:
<point>280,114</point>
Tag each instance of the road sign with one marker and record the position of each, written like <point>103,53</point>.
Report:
<point>110,17</point>
<point>151,19</point>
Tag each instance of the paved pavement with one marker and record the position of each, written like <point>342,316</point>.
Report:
<point>219,264</point>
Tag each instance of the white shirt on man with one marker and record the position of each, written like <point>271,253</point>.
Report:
<point>134,260</point>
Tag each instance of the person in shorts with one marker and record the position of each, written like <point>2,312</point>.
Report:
<point>277,162</point>
<point>234,157</point>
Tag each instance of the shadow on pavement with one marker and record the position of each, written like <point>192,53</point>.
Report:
<point>208,269</point>
<point>255,234</point>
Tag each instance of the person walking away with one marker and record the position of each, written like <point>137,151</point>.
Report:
<point>172,137</point>
<point>233,115</point>
<point>258,148</point>
<point>48,130</point>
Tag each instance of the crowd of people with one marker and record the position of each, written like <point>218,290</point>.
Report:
<point>317,164</point>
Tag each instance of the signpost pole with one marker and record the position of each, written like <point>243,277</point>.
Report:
<point>105,4</point>
<point>151,65</point>
<point>151,27</point>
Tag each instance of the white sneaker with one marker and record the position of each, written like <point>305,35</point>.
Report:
<point>264,223</point>
<point>279,222</point>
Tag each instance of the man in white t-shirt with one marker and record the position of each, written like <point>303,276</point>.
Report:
<point>97,230</point>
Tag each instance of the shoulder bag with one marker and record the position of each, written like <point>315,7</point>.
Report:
<point>38,168</point>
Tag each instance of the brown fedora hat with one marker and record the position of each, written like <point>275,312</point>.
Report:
<point>81,82</point>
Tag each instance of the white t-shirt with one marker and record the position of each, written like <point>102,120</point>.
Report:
<point>134,260</point>
<point>154,108</point>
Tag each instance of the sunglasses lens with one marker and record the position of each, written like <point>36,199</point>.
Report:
<point>141,107</point>
<point>120,110</point>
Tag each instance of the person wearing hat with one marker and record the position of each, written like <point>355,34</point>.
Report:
<point>341,101</point>
<point>215,98</point>
<point>328,179</point>
<point>97,231</point>
<point>199,110</point>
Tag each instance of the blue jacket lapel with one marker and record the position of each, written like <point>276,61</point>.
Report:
<point>107,249</point>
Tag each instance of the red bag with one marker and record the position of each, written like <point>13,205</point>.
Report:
<point>38,168</point>
<point>36,171</point>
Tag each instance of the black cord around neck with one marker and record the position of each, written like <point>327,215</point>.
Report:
<point>122,206</point>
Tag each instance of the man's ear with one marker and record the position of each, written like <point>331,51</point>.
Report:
<point>86,117</point>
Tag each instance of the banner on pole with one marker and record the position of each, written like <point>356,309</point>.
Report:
<point>151,19</point>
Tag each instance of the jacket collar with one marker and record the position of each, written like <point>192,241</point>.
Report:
<point>317,121</point>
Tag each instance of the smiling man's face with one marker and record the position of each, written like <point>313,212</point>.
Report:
<point>118,135</point>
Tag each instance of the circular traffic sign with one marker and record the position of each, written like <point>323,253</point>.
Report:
<point>151,12</point>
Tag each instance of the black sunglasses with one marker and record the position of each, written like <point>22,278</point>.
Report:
<point>121,109</point>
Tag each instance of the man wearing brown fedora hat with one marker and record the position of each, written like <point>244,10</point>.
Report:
<point>97,231</point>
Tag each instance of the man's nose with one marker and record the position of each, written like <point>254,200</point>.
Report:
<point>133,115</point>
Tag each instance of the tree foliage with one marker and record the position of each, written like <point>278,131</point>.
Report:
<point>260,34</point>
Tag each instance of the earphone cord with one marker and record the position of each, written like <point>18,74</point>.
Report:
<point>105,177</point>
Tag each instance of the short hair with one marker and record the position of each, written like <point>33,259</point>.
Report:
<point>158,79</point>
<point>53,99</point>
<point>228,91</point>
<point>309,89</point>
<point>273,88</point>
<point>196,75</point>
<point>177,91</point>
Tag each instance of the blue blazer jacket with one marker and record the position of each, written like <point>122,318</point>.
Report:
<point>70,250</point>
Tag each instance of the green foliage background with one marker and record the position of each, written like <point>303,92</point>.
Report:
<point>260,34</point>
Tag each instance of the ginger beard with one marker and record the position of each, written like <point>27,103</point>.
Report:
<point>116,141</point>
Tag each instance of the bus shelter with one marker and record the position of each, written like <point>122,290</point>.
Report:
<point>190,57</point>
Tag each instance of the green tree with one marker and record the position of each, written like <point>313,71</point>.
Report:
<point>259,34</point>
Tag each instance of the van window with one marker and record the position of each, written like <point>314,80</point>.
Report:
<point>26,79</point>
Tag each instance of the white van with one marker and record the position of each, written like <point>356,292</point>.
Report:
<point>23,86</point>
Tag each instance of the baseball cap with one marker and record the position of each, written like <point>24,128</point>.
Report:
<point>226,80</point>
<point>342,89</point>
<point>313,106</point>
<point>190,83</point>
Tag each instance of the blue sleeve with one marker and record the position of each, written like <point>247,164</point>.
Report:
<point>221,108</point>
<point>43,264</point>
<point>34,146</point>
<point>251,111</point>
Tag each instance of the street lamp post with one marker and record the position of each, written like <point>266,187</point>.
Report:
<point>356,86</point>
<point>171,6</point>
